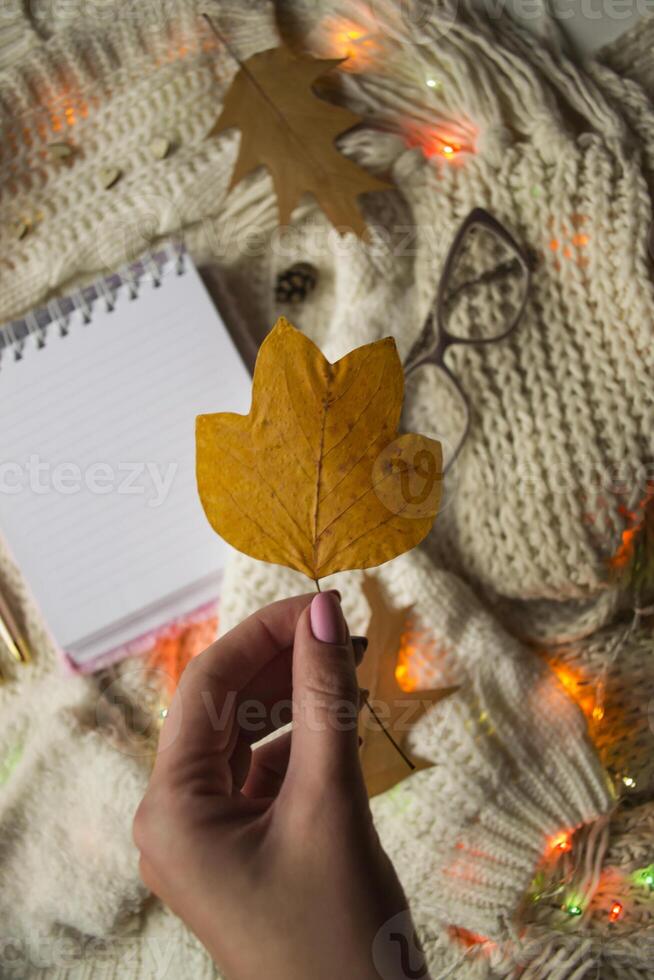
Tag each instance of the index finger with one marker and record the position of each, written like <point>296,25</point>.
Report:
<point>199,723</point>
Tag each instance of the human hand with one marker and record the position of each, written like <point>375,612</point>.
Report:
<point>269,854</point>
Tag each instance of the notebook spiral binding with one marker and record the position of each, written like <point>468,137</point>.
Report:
<point>38,324</point>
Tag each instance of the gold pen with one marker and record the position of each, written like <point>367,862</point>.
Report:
<point>11,636</point>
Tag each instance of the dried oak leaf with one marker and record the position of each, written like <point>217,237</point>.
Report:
<point>288,129</point>
<point>315,477</point>
<point>398,709</point>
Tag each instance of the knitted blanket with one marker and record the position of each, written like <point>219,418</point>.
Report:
<point>525,848</point>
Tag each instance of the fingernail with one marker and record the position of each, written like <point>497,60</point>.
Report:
<point>336,593</point>
<point>327,621</point>
<point>359,645</point>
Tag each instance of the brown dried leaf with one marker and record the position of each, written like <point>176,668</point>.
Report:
<point>288,129</point>
<point>400,710</point>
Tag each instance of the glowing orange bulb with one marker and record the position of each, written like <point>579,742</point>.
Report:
<point>567,678</point>
<point>448,150</point>
<point>576,687</point>
<point>561,843</point>
<point>616,912</point>
<point>468,939</point>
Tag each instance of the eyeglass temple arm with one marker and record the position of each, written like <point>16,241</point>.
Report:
<point>423,351</point>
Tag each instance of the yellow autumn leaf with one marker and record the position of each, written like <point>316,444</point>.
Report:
<point>315,477</point>
<point>286,128</point>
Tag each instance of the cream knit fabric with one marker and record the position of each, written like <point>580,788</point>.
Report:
<point>517,562</point>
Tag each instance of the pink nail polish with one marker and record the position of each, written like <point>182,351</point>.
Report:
<point>327,621</point>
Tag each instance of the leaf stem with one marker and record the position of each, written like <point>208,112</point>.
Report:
<point>264,95</point>
<point>388,734</point>
<point>221,37</point>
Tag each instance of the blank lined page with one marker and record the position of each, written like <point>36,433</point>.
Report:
<point>98,501</point>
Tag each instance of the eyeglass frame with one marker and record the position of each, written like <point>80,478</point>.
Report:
<point>442,338</point>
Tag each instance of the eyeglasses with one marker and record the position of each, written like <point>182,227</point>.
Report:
<point>481,299</point>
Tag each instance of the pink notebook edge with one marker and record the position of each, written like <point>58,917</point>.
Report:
<point>139,645</point>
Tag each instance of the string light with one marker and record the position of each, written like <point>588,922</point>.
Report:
<point>561,843</point>
<point>632,565</point>
<point>160,713</point>
<point>579,239</point>
<point>417,656</point>
<point>615,912</point>
<point>645,877</point>
<point>629,781</point>
<point>574,906</point>
<point>469,939</point>
<point>360,46</point>
<point>448,144</point>
<point>577,687</point>
<point>179,644</point>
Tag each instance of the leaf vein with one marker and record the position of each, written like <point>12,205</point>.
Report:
<point>371,489</point>
<point>316,513</point>
<point>356,463</point>
<point>354,379</point>
<point>299,424</point>
<point>294,558</point>
<point>371,530</point>
<point>255,469</point>
<point>360,415</point>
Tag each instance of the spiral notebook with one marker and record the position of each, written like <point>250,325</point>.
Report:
<point>98,505</point>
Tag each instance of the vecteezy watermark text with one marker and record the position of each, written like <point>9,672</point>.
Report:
<point>142,716</point>
<point>40,476</point>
